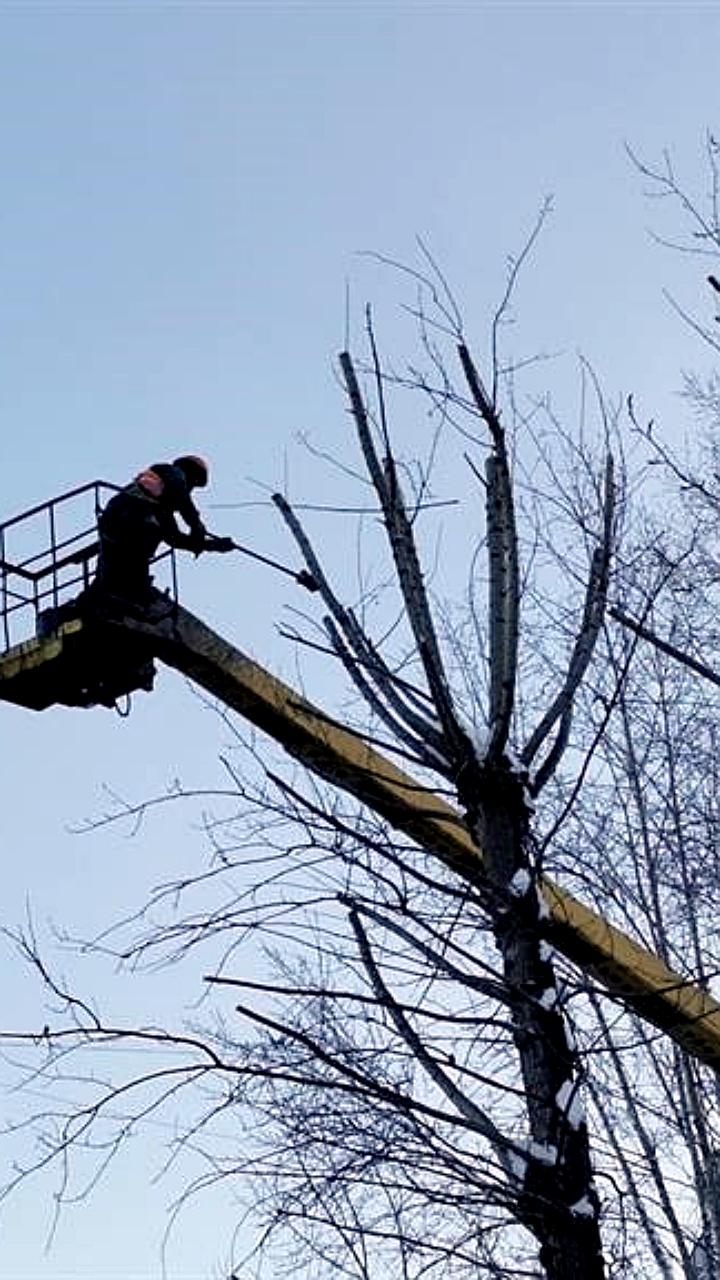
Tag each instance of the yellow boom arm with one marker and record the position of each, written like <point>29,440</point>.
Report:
<point>638,977</point>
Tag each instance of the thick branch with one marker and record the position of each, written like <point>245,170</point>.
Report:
<point>593,614</point>
<point>364,653</point>
<point>504,598</point>
<point>694,664</point>
<point>410,578</point>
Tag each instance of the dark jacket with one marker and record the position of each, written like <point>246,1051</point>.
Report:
<point>175,499</point>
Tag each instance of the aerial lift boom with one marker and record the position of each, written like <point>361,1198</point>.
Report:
<point>53,667</point>
<point>690,1015</point>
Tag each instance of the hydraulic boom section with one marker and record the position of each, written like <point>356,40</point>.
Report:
<point>61,647</point>
<point>689,1014</point>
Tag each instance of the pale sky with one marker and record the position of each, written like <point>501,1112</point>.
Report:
<point>187,190</point>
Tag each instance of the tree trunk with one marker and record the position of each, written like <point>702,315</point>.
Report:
<point>558,1202</point>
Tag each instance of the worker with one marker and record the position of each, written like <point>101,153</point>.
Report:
<point>141,516</point>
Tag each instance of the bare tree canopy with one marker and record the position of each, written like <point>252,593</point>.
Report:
<point>418,1083</point>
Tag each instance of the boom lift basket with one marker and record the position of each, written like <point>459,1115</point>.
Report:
<point>55,645</point>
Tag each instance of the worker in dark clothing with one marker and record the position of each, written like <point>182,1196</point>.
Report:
<point>142,516</point>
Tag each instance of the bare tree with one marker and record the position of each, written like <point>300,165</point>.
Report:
<point>418,1074</point>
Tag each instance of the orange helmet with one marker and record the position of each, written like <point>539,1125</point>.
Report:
<point>196,469</point>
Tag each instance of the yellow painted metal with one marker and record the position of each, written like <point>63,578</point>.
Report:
<point>32,654</point>
<point>82,664</point>
<point>638,977</point>
<point>30,672</point>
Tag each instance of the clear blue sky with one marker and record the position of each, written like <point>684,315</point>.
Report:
<point>185,189</point>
